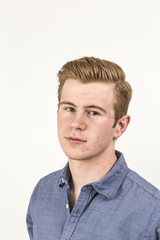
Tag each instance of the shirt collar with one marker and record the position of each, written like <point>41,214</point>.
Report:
<point>65,175</point>
<point>109,185</point>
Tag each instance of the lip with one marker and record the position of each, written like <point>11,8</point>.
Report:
<point>75,140</point>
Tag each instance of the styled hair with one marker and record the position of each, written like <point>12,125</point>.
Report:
<point>91,69</point>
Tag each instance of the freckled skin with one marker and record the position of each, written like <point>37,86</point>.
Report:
<point>96,130</point>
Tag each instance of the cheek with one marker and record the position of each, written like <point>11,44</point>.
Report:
<point>97,137</point>
<point>59,121</point>
<point>102,134</point>
<point>60,124</point>
<point>63,123</point>
<point>101,140</point>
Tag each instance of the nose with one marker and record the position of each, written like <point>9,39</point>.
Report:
<point>78,122</point>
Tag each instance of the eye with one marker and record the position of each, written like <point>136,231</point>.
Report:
<point>93,113</point>
<point>70,109</point>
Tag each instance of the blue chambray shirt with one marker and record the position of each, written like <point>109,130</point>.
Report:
<point>121,206</point>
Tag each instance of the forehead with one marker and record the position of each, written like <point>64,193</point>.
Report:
<point>91,93</point>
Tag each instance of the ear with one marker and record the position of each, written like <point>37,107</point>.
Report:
<point>121,126</point>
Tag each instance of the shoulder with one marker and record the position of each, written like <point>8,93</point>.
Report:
<point>47,184</point>
<point>51,177</point>
<point>143,186</point>
<point>50,181</point>
<point>141,203</point>
<point>144,198</point>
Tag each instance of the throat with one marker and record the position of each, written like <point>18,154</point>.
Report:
<point>72,202</point>
<point>74,194</point>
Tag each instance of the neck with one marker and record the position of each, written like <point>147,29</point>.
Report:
<point>89,170</point>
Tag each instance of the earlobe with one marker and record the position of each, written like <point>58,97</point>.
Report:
<point>121,126</point>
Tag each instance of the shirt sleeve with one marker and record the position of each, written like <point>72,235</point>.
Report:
<point>153,232</point>
<point>29,217</point>
<point>158,230</point>
<point>158,233</point>
<point>29,223</point>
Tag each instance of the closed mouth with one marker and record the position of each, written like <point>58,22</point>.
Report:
<point>76,140</point>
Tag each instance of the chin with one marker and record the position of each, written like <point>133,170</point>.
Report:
<point>73,157</point>
<point>76,156</point>
<point>79,157</point>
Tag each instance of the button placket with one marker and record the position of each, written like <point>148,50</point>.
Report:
<point>77,211</point>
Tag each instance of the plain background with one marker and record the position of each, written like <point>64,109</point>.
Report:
<point>36,38</point>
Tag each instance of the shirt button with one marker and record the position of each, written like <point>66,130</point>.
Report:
<point>62,180</point>
<point>67,206</point>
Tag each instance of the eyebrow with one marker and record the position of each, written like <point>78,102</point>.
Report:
<point>88,106</point>
<point>67,103</point>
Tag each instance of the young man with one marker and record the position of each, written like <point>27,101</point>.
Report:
<point>96,196</point>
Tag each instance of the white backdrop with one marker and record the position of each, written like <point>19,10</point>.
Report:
<point>36,38</point>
